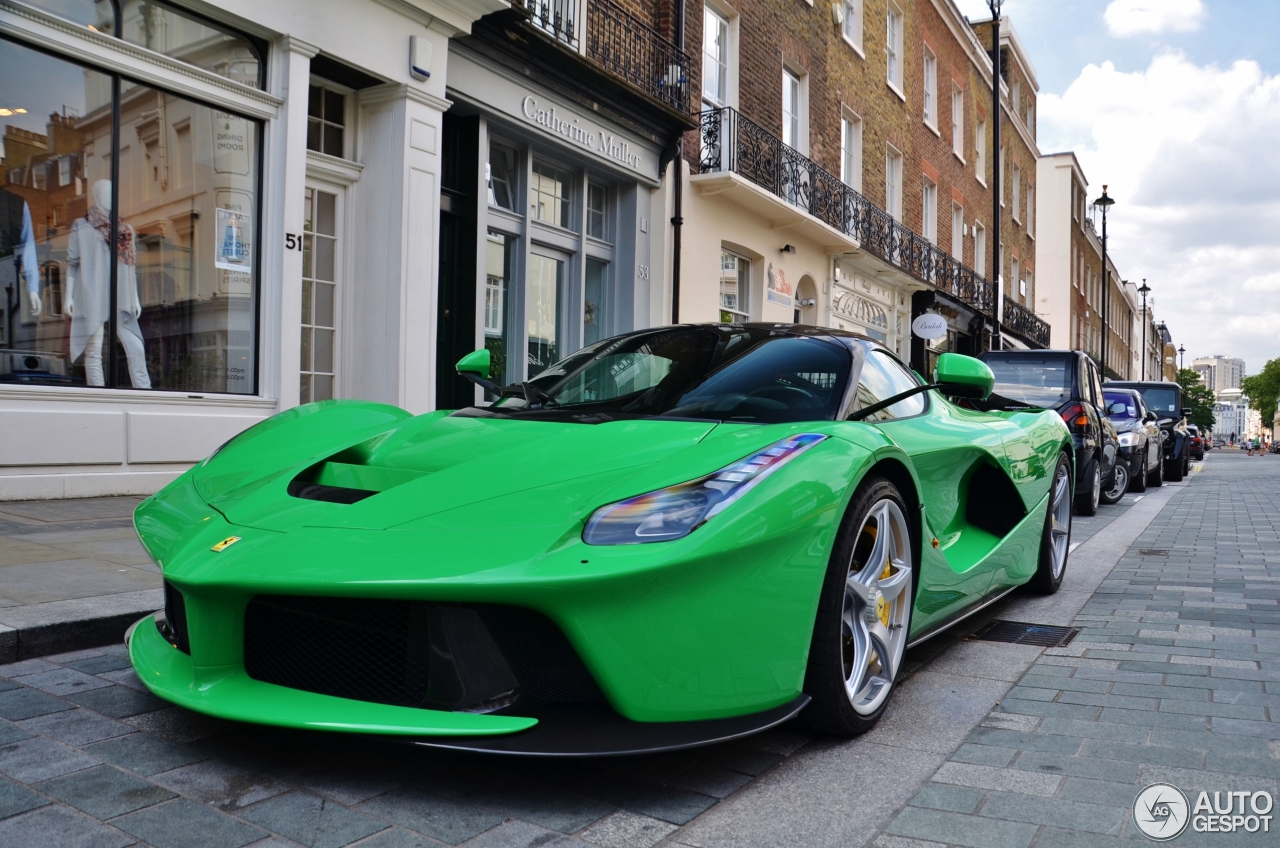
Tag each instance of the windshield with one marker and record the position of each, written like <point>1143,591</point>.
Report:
<point>730,373</point>
<point>1033,380</point>
<point>1163,402</point>
<point>1130,406</point>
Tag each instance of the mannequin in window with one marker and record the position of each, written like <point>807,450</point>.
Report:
<point>88,291</point>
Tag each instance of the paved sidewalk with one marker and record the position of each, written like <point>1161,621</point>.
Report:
<point>72,575</point>
<point>1174,678</point>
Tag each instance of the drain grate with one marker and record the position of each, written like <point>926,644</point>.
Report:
<point>1021,633</point>
<point>1152,552</point>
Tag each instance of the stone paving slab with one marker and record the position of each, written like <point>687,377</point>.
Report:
<point>1169,680</point>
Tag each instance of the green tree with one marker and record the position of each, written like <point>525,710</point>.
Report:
<point>1199,399</point>
<point>1263,388</point>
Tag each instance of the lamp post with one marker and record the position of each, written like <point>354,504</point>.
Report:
<point>1181,357</point>
<point>1143,290</point>
<point>994,6</point>
<point>1105,202</point>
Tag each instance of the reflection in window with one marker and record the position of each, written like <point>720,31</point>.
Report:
<point>734,278</point>
<point>326,120</point>
<point>180,35</point>
<point>597,199</point>
<point>502,176</point>
<point>319,289</point>
<point>883,377</point>
<point>95,14</point>
<point>549,195</point>
<point>184,256</point>
<point>544,292</point>
<point>497,326</point>
<point>593,308</point>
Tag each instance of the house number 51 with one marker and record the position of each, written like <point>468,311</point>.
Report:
<point>292,241</point>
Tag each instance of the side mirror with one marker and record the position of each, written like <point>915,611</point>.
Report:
<point>1116,408</point>
<point>475,367</point>
<point>1186,412</point>
<point>963,376</point>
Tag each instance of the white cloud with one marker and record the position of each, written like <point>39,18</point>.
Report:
<point>1187,151</point>
<point>1132,17</point>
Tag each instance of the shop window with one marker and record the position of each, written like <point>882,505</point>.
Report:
<point>185,36</point>
<point>319,295</point>
<point>497,302</point>
<point>183,314</point>
<point>544,295</point>
<point>326,120</point>
<point>549,195</point>
<point>502,176</point>
<point>595,292</point>
<point>735,281</point>
<point>597,211</point>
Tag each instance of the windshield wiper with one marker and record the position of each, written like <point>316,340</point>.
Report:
<point>534,396</point>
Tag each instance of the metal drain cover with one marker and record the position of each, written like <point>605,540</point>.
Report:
<point>1021,633</point>
<point>1152,552</point>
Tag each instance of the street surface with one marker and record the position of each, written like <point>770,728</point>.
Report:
<point>1174,677</point>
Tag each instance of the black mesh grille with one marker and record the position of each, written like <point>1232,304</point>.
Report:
<point>378,650</point>
<point>1021,633</point>
<point>174,627</point>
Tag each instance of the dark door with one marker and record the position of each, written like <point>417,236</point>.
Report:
<point>456,299</point>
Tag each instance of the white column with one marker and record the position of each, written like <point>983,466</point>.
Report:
<point>285,186</point>
<point>397,243</point>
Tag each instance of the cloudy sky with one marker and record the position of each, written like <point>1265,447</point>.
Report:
<point>1175,104</point>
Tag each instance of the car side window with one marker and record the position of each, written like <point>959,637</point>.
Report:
<point>883,377</point>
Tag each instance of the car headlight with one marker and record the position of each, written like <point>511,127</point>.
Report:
<point>1128,440</point>
<point>676,511</point>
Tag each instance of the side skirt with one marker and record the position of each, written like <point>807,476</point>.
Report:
<point>971,611</point>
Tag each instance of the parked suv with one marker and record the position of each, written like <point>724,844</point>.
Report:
<point>1140,439</point>
<point>1165,400</point>
<point>1068,382</point>
<point>1196,446</point>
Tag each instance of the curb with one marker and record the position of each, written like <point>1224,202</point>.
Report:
<point>38,630</point>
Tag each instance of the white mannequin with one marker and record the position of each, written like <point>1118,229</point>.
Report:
<point>88,277</point>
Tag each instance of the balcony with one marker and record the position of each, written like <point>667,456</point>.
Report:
<point>733,143</point>
<point>618,41</point>
<point>1025,324</point>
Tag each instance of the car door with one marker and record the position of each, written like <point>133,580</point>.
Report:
<point>943,442</point>
<point>1105,448</point>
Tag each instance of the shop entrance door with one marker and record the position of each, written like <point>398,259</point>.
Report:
<point>322,262</point>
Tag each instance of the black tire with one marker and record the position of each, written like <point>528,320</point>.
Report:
<point>1087,501</point>
<point>1048,577</point>
<point>833,653</point>
<point>1155,478</point>
<point>1138,482</point>
<point>1119,483</point>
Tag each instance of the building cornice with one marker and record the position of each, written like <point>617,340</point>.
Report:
<point>402,91</point>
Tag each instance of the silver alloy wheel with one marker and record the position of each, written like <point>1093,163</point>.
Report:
<point>877,600</point>
<point>1060,530</point>
<point>1119,482</point>
<point>1097,481</point>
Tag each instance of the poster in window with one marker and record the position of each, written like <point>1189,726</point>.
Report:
<point>232,251</point>
<point>780,290</point>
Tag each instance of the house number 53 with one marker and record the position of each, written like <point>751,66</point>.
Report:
<point>642,272</point>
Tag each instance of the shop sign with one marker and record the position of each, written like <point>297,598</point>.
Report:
<point>780,291</point>
<point>930,325</point>
<point>591,137</point>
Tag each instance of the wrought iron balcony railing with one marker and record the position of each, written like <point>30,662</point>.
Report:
<point>733,142</point>
<point>1021,321</point>
<point>622,43</point>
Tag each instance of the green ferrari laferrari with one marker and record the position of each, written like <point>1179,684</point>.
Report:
<point>670,538</point>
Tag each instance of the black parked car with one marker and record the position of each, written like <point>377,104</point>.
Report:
<point>1140,438</point>
<point>1066,381</point>
<point>1165,400</point>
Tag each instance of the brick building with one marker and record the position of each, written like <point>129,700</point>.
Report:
<point>841,172</point>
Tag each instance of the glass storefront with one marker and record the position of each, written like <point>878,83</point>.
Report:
<point>129,217</point>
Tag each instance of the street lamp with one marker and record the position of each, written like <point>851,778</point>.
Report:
<point>1181,358</point>
<point>1104,202</point>
<point>994,6</point>
<point>1143,290</point>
